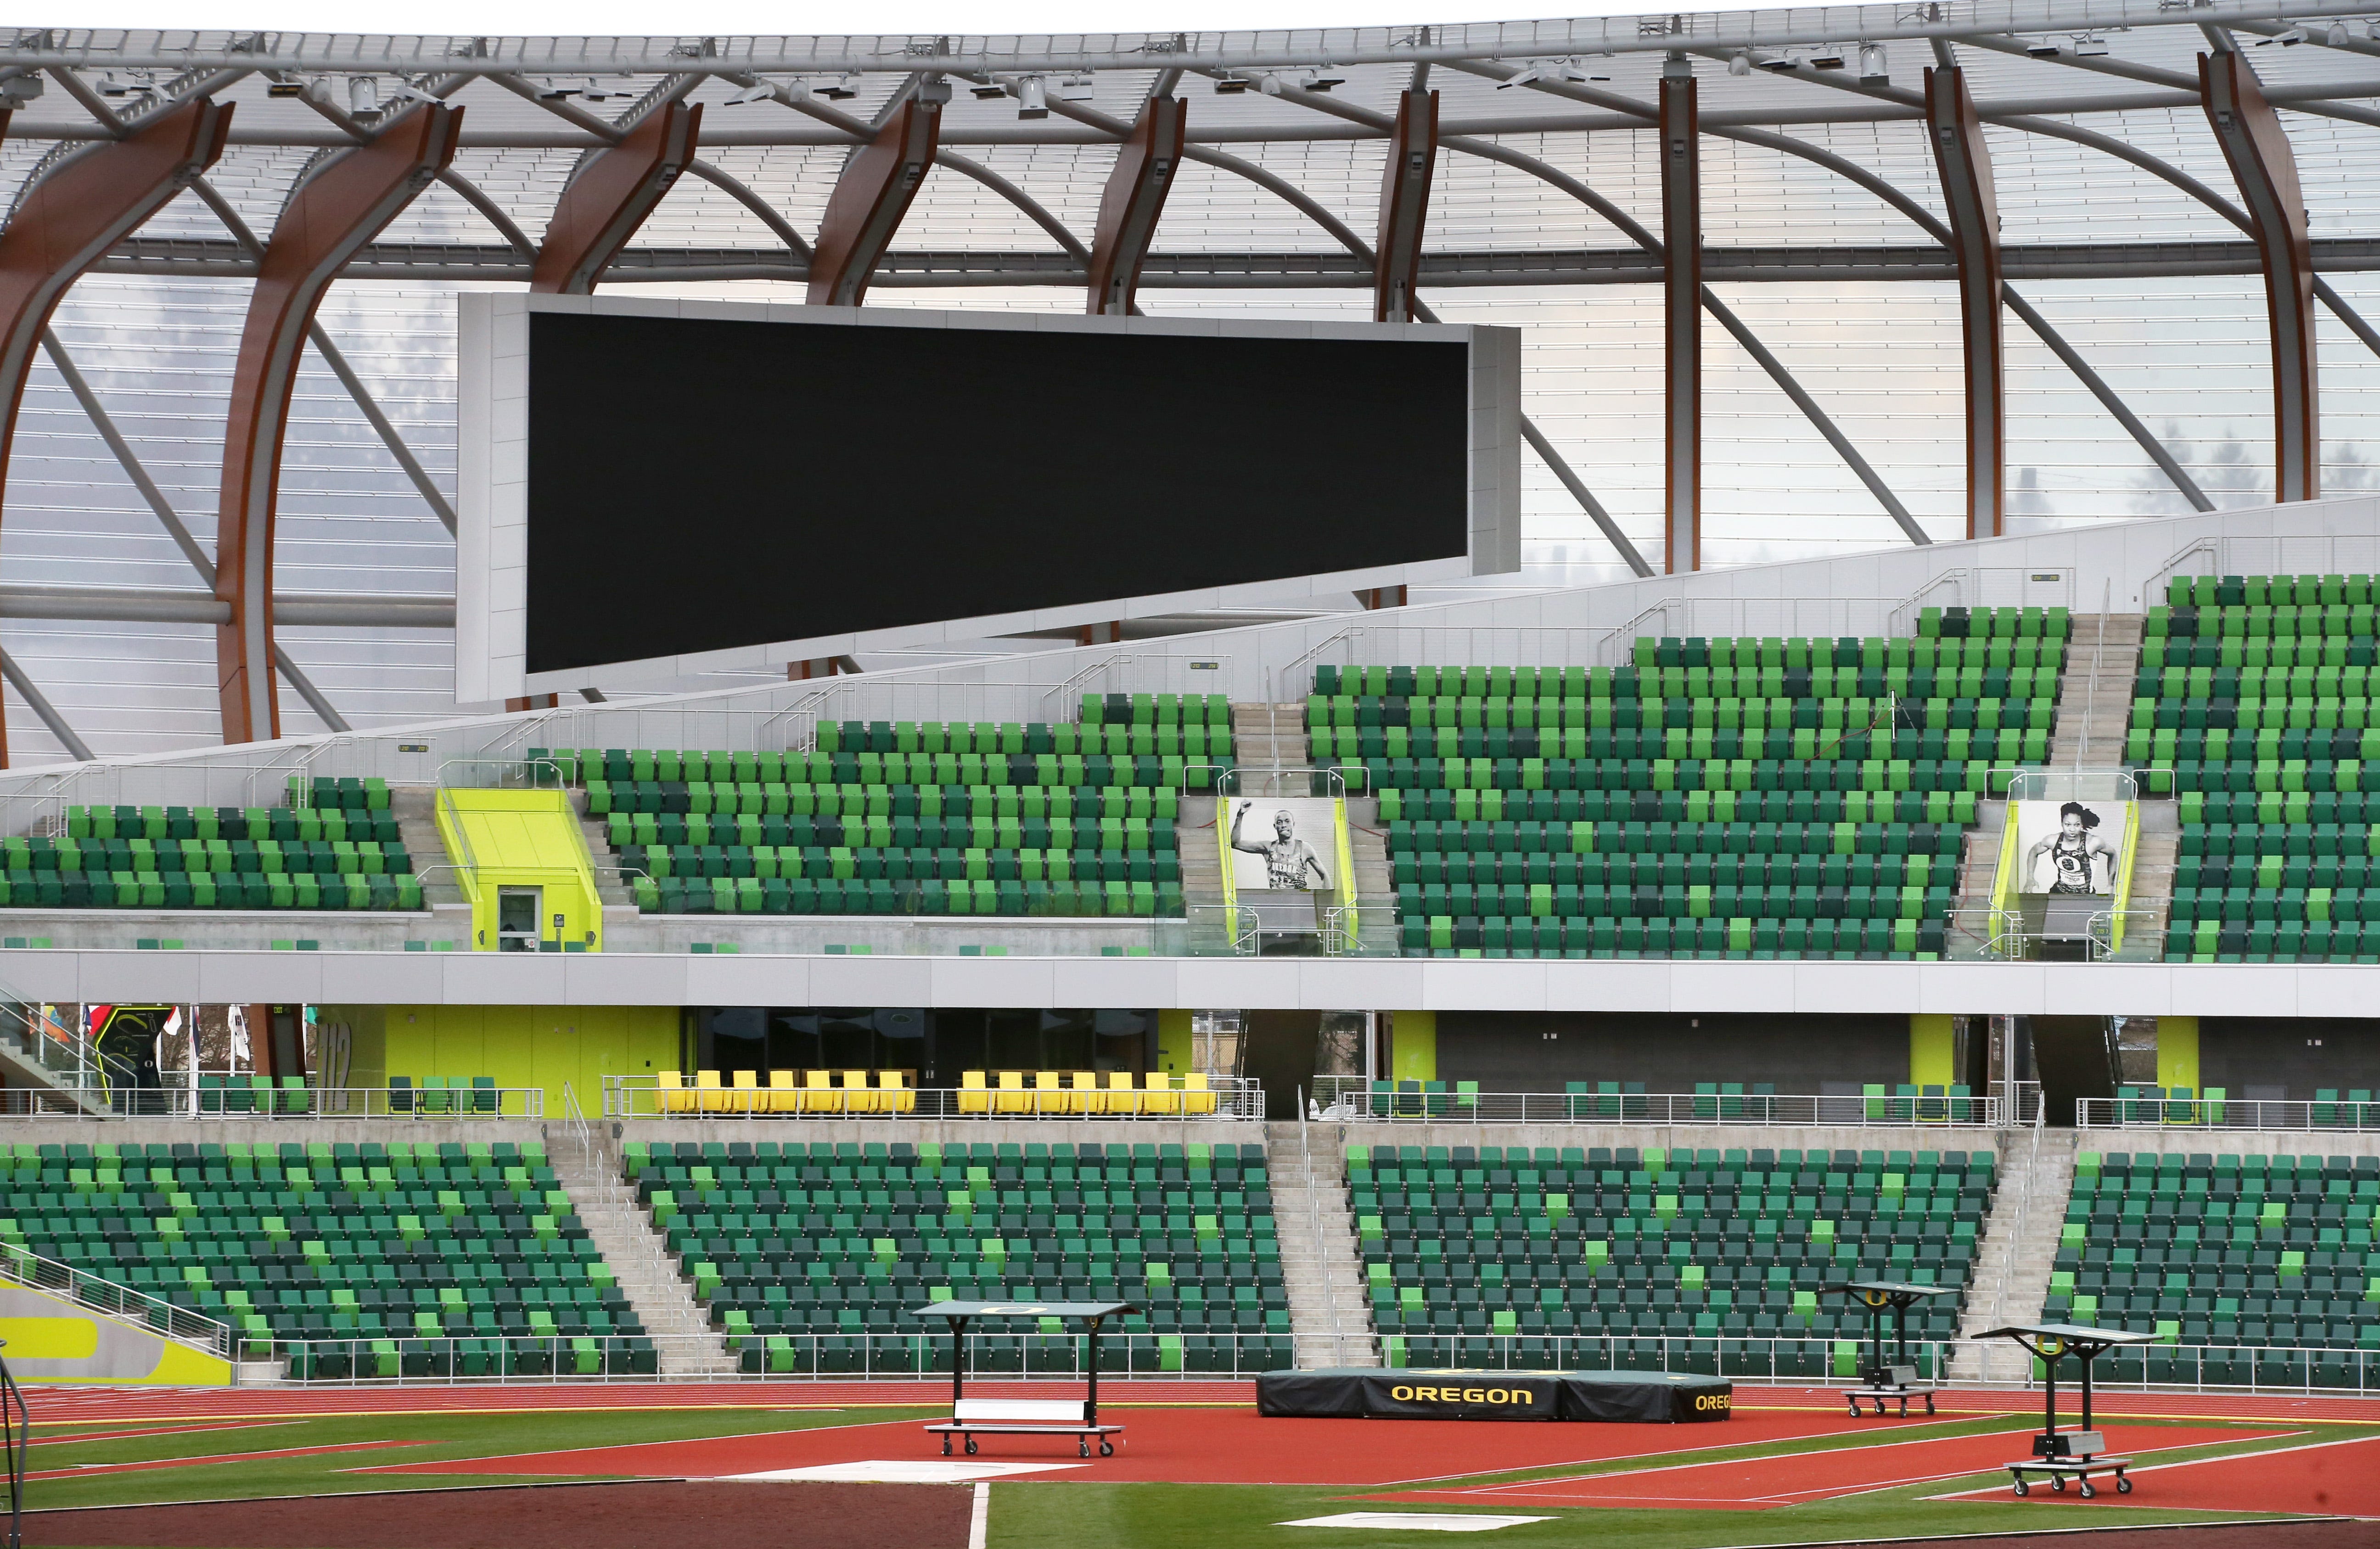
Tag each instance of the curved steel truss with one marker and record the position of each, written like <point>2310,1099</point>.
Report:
<point>1167,163</point>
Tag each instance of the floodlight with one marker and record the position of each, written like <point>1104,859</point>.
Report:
<point>2042,51</point>
<point>1872,66</point>
<point>408,94</point>
<point>2089,48</point>
<point>363,95</point>
<point>595,92</point>
<point>549,91</point>
<point>1828,57</point>
<point>1784,63</point>
<point>1076,88</point>
<point>987,91</point>
<point>1324,79</point>
<point>289,86</point>
<point>1033,97</point>
<point>1231,85</point>
<point>111,87</point>
<point>840,90</point>
<point>1739,62</point>
<point>2336,36</point>
<point>758,91</point>
<point>2292,38</point>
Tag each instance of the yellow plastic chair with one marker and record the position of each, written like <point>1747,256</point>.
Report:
<point>1087,1098</point>
<point>707,1097</point>
<point>1122,1099</point>
<point>1049,1096</point>
<point>746,1095</point>
<point>1195,1098</point>
<point>670,1095</point>
<point>857,1096</point>
<point>783,1097</point>
<point>1012,1097</point>
<point>894,1094</point>
<point>974,1096</point>
<point>1162,1096</point>
<point>819,1095</point>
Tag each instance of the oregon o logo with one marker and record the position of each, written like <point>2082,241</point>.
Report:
<point>1709,1401</point>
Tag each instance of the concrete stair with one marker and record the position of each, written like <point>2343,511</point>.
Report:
<point>1328,1315</point>
<point>1269,736</point>
<point>589,1167</point>
<point>2019,1246</point>
<point>417,824</point>
<point>2095,699</point>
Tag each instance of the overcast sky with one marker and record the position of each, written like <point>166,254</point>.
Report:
<point>636,18</point>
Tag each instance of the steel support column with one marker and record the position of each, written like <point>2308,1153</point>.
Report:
<point>1682,331</point>
<point>2262,163</point>
<point>341,207</point>
<point>1966,167</point>
<point>1404,207</point>
<point>875,191</point>
<point>610,197</point>
<point>1134,199</point>
<point>69,219</point>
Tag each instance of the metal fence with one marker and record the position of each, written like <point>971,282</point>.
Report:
<point>1352,1100</point>
<point>2157,1112</point>
<point>639,1097</point>
<point>387,1359</point>
<point>20,1266</point>
<point>298,1106</point>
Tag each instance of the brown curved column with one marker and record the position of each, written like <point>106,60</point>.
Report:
<point>343,206</point>
<point>869,201</point>
<point>1966,166</point>
<point>1404,207</point>
<point>1134,199</point>
<point>610,199</point>
<point>68,221</point>
<point>2267,170</point>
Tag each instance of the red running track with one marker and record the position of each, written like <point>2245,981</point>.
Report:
<point>2336,1479</point>
<point>1183,1446</point>
<point>1791,1479</point>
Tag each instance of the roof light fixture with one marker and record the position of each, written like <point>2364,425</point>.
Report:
<point>1227,85</point>
<point>363,95</point>
<point>2089,48</point>
<point>840,89</point>
<point>2041,50</point>
<point>1739,62</point>
<point>1784,63</point>
<point>1872,66</point>
<point>1033,97</point>
<point>2337,37</point>
<point>1828,57</point>
<point>758,91</point>
<point>1076,88</point>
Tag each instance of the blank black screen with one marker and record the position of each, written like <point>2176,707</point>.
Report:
<point>696,485</point>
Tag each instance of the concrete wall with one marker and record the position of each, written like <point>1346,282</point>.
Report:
<point>52,1341</point>
<point>1539,1051</point>
<point>519,1046</point>
<point>2300,1057</point>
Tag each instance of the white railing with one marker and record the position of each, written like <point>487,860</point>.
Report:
<point>281,1105</point>
<point>1314,1227</point>
<point>642,1096</point>
<point>1355,1100</point>
<point>2225,1113</point>
<point>20,1266</point>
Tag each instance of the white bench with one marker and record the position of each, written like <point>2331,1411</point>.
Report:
<point>1026,1417</point>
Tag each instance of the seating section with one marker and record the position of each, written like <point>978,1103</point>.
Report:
<point>176,858</point>
<point>2253,708</point>
<point>916,817</point>
<point>2254,1269</point>
<point>413,1258</point>
<point>808,1255</point>
<point>1589,1259</point>
<point>1714,797</point>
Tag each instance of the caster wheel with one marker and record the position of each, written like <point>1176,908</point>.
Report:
<point>1929,1403</point>
<point>2022,1488</point>
<point>970,1446</point>
<point>2087,1490</point>
<point>2123,1485</point>
<point>946,1446</point>
<point>1082,1450</point>
<point>2058,1485</point>
<point>1107,1449</point>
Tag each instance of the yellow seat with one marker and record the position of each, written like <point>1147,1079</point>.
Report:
<point>1196,1097</point>
<point>1047,1095</point>
<point>1162,1096</point>
<point>670,1095</point>
<point>1087,1098</point>
<point>819,1095</point>
<point>1012,1097</point>
<point>1122,1099</point>
<point>895,1093</point>
<point>709,1098</point>
<point>857,1096</point>
<point>746,1095</point>
<point>974,1098</point>
<point>782,1095</point>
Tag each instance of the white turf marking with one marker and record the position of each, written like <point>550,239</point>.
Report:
<point>1415,1522</point>
<point>979,1520</point>
<point>901,1471</point>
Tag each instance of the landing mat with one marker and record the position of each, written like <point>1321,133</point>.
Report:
<point>1367,1392</point>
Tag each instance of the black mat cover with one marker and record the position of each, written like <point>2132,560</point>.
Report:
<point>1367,1393</point>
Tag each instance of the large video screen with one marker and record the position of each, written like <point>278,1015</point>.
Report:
<point>699,484</point>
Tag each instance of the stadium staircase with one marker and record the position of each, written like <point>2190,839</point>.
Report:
<point>1331,1320</point>
<point>2019,1241</point>
<point>623,1231</point>
<point>417,825</point>
<point>1269,736</point>
<point>2095,699</point>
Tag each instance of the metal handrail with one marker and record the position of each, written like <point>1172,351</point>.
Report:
<point>103,1104</point>
<point>27,1269</point>
<point>2267,1115</point>
<point>548,765</point>
<point>2210,546</point>
<point>1369,1102</point>
<point>1321,1249</point>
<point>15,1435</point>
<point>2016,1228</point>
